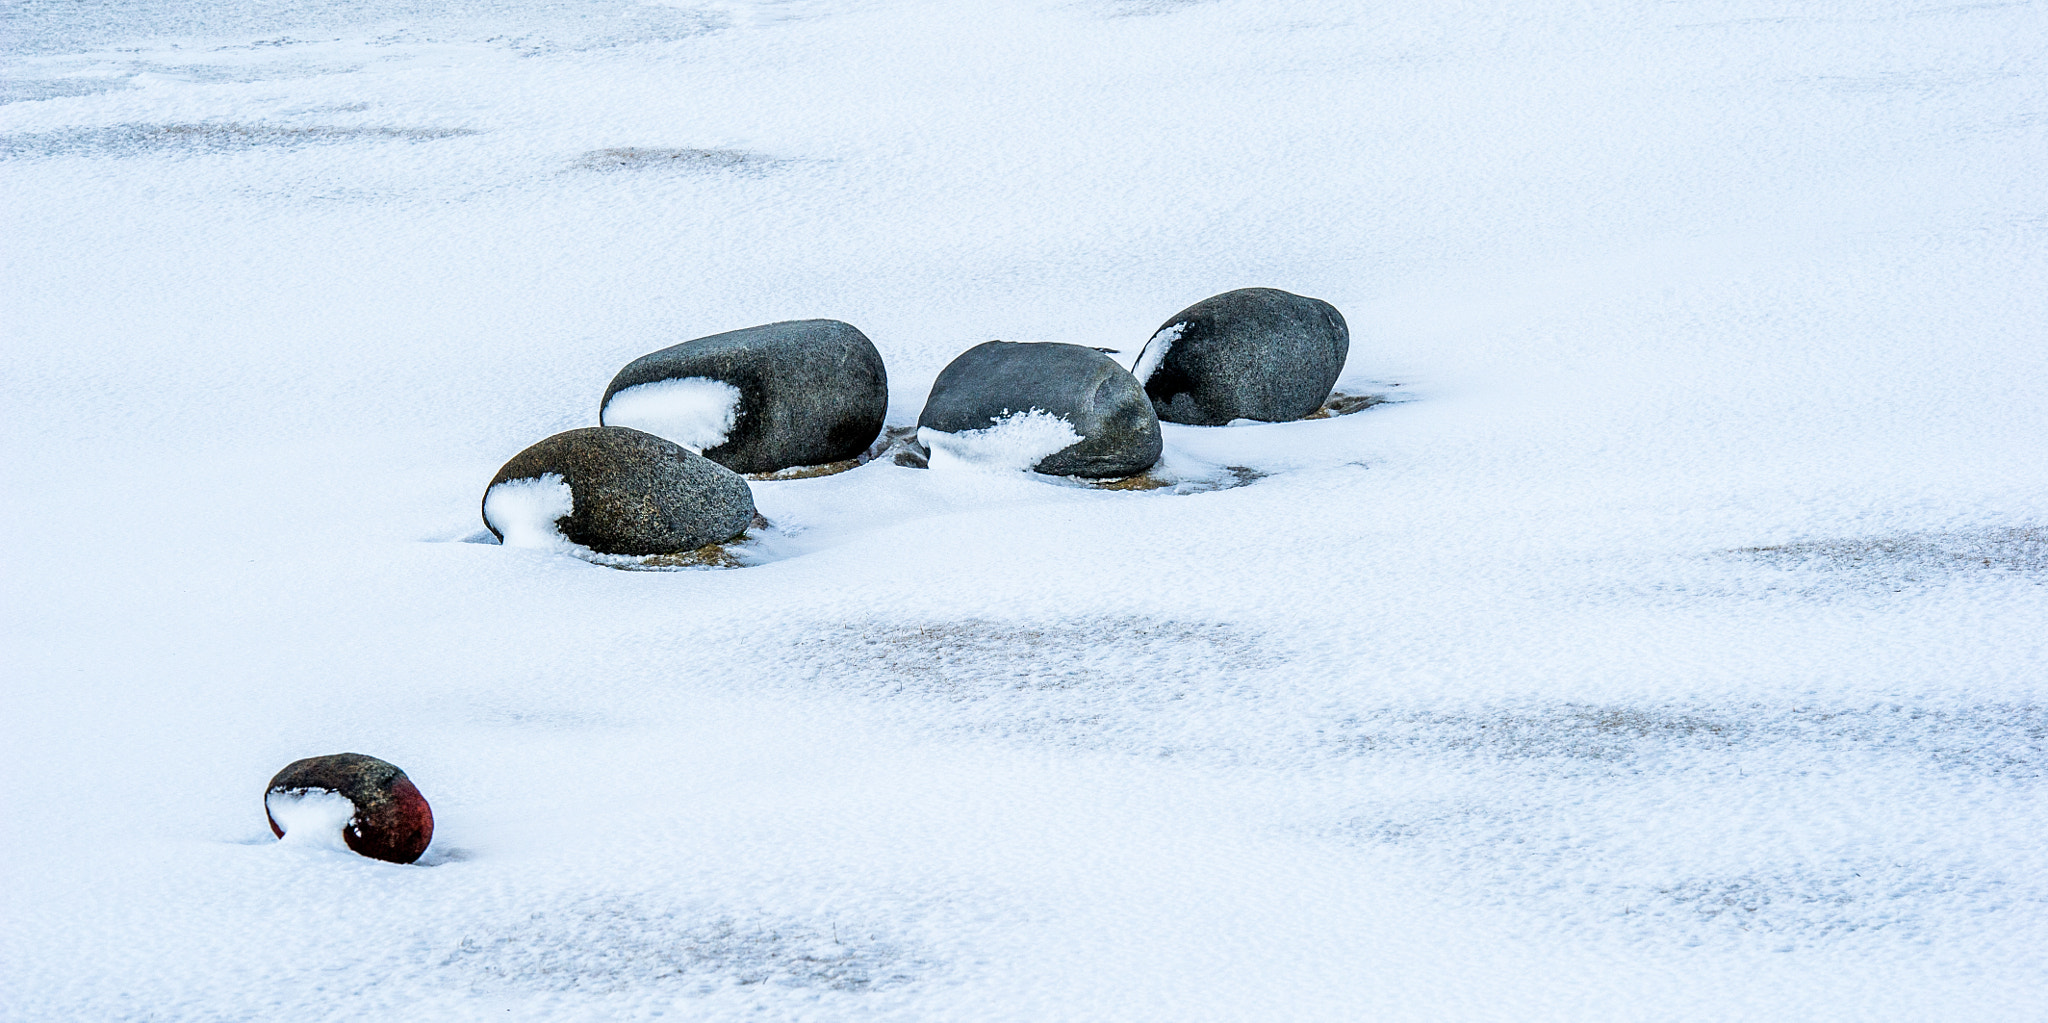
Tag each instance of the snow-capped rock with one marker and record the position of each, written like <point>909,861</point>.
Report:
<point>350,799</point>
<point>1057,408</point>
<point>615,490</point>
<point>1253,353</point>
<point>801,392</point>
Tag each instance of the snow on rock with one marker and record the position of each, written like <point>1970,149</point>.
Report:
<point>1016,442</point>
<point>1155,350</point>
<point>311,817</point>
<point>527,512</point>
<point>695,412</point>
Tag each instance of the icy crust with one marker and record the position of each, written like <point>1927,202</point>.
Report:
<point>527,513</point>
<point>696,412</point>
<point>1016,443</point>
<point>312,818</point>
<point>1155,351</point>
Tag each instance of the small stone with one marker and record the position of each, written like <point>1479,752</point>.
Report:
<point>1254,353</point>
<point>615,491</point>
<point>1003,385</point>
<point>758,400</point>
<point>385,818</point>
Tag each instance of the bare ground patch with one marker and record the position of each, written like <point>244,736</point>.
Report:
<point>2003,739</point>
<point>617,946</point>
<point>653,158</point>
<point>203,138</point>
<point>1915,557</point>
<point>1138,685</point>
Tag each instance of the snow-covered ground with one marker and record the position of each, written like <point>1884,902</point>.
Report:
<point>1674,647</point>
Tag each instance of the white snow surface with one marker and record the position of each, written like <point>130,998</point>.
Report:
<point>696,412</point>
<point>312,818</point>
<point>528,512</point>
<point>1155,351</point>
<point>1013,443</point>
<point>1673,650</point>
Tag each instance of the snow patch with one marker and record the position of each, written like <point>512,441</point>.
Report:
<point>1155,351</point>
<point>1017,441</point>
<point>525,512</point>
<point>696,412</point>
<point>312,817</point>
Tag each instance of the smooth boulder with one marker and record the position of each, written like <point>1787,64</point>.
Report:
<point>1010,396</point>
<point>762,399</point>
<point>616,491</point>
<point>1254,353</point>
<point>377,811</point>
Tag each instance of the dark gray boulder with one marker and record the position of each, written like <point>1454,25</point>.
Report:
<point>616,491</point>
<point>801,392</point>
<point>1254,353</point>
<point>1118,435</point>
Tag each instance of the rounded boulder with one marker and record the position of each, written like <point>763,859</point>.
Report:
<point>376,808</point>
<point>1254,353</point>
<point>1059,409</point>
<point>616,491</point>
<point>762,399</point>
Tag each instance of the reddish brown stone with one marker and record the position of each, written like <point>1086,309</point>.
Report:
<point>392,820</point>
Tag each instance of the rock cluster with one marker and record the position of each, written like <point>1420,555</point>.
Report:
<point>659,475</point>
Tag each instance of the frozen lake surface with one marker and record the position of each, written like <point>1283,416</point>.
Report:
<point>1670,646</point>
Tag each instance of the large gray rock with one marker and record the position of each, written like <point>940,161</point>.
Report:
<point>1254,353</point>
<point>1116,433</point>
<point>616,491</point>
<point>802,392</point>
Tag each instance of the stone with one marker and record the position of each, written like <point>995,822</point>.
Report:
<point>1009,400</point>
<point>758,400</point>
<point>1254,353</point>
<point>385,817</point>
<point>615,491</point>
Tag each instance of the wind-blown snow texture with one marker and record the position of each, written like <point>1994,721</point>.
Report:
<point>1672,650</point>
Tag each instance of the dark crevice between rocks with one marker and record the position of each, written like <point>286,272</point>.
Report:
<point>899,445</point>
<point>805,472</point>
<point>729,554</point>
<point>1341,404</point>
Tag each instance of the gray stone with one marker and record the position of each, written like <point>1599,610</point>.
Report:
<point>632,492</point>
<point>1254,353</point>
<point>808,392</point>
<point>1099,399</point>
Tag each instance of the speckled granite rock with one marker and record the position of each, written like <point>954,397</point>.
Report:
<point>628,493</point>
<point>1099,400</point>
<point>802,392</point>
<point>1254,353</point>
